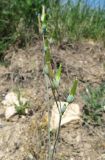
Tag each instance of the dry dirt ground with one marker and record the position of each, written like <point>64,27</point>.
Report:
<point>25,137</point>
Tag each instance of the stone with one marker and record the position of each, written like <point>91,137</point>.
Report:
<point>10,102</point>
<point>1,154</point>
<point>9,112</point>
<point>72,113</point>
<point>11,98</point>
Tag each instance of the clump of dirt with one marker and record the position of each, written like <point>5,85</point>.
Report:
<point>25,137</point>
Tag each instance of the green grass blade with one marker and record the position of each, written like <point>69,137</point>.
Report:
<point>74,88</point>
<point>58,73</point>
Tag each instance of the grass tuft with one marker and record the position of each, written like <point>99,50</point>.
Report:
<point>94,107</point>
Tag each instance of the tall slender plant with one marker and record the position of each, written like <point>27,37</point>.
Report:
<point>53,76</point>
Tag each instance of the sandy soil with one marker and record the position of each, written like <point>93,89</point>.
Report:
<point>25,137</point>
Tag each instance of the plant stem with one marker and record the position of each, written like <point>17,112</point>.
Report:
<point>57,136</point>
<point>58,98</point>
<point>53,92</point>
<point>49,119</point>
<point>49,111</point>
<point>60,118</point>
<point>56,101</point>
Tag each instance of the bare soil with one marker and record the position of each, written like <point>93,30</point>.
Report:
<point>25,137</point>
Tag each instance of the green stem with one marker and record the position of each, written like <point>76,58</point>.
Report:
<point>49,111</point>
<point>58,98</point>
<point>57,136</point>
<point>49,119</point>
<point>53,92</point>
<point>56,101</point>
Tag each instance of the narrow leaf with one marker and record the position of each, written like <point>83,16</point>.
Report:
<point>47,52</point>
<point>58,73</point>
<point>74,88</point>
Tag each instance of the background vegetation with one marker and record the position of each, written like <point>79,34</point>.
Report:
<point>72,21</point>
<point>18,19</point>
<point>94,98</point>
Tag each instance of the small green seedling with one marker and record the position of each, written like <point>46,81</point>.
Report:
<point>22,106</point>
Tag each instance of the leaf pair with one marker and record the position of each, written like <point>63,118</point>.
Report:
<point>48,67</point>
<point>50,72</point>
<point>57,78</point>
